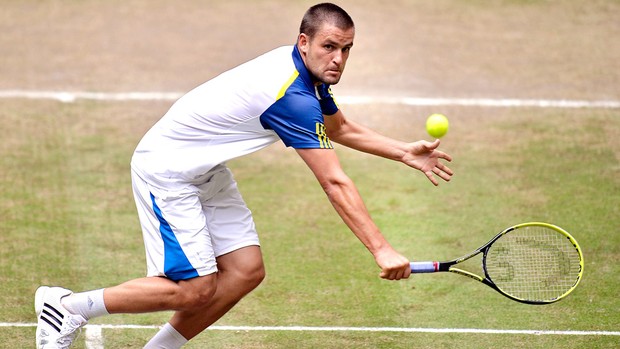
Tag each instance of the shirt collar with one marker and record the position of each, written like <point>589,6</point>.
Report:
<point>304,73</point>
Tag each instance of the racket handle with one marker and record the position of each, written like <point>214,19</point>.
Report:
<point>424,267</point>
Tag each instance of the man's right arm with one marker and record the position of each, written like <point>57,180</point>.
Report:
<point>345,198</point>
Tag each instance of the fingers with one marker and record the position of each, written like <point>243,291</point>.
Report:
<point>395,275</point>
<point>428,146</point>
<point>425,156</point>
<point>443,171</point>
<point>438,153</point>
<point>394,266</point>
<point>429,175</point>
<point>443,155</point>
<point>440,170</point>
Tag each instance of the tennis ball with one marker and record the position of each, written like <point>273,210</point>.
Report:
<point>437,125</point>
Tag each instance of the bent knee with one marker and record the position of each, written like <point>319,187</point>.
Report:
<point>247,277</point>
<point>196,293</point>
<point>257,275</point>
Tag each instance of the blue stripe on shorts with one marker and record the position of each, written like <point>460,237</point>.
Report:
<point>176,265</point>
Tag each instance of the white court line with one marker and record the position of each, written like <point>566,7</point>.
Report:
<point>69,96</point>
<point>96,329</point>
<point>480,102</point>
<point>93,337</point>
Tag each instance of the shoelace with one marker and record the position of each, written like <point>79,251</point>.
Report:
<point>69,333</point>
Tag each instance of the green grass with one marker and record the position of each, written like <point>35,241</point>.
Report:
<point>67,218</point>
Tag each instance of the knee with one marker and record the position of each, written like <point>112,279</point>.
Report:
<point>257,276</point>
<point>248,277</point>
<point>196,294</point>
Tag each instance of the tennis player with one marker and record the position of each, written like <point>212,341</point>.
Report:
<point>202,248</point>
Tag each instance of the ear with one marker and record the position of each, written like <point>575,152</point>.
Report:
<point>303,42</point>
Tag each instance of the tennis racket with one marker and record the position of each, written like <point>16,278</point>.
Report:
<point>533,263</point>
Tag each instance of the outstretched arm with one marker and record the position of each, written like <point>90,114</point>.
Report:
<point>422,155</point>
<point>347,201</point>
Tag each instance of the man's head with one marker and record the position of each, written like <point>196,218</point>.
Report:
<point>325,39</point>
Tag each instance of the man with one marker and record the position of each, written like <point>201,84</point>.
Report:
<point>202,249</point>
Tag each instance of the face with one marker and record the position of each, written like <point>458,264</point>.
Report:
<point>326,54</point>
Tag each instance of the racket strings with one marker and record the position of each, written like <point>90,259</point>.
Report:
<point>534,263</point>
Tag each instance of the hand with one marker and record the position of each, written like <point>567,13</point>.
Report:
<point>393,265</point>
<point>424,156</point>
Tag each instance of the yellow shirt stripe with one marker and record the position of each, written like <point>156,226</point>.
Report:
<point>324,141</point>
<point>287,85</point>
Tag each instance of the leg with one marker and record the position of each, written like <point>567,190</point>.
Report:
<point>151,294</point>
<point>198,302</point>
<point>236,247</point>
<point>240,272</point>
<point>57,326</point>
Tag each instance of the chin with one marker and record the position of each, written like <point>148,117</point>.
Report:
<point>331,80</point>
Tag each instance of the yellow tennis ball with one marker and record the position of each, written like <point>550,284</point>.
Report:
<point>437,125</point>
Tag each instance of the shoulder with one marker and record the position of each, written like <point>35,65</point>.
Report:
<point>278,59</point>
<point>296,103</point>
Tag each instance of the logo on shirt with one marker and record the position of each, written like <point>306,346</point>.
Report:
<point>324,141</point>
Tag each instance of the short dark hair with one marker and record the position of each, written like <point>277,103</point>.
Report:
<point>322,13</point>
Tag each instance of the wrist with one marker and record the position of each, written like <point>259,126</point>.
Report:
<point>380,249</point>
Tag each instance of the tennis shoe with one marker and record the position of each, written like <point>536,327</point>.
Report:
<point>57,328</point>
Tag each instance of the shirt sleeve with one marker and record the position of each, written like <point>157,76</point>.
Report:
<point>297,119</point>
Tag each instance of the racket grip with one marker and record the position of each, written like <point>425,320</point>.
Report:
<point>424,267</point>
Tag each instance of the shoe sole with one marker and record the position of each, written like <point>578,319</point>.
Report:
<point>39,296</point>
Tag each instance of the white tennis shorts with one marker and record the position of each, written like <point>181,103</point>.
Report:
<point>185,230</point>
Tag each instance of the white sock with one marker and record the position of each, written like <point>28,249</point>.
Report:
<point>87,304</point>
<point>166,338</point>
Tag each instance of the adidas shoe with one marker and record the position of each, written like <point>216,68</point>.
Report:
<point>56,327</point>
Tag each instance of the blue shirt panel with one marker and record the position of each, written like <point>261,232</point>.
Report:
<point>297,117</point>
<point>328,105</point>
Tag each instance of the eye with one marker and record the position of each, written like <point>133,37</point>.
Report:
<point>329,47</point>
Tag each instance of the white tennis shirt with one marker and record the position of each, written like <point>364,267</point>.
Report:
<point>243,110</point>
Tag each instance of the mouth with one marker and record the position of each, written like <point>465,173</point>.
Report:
<point>334,72</point>
<point>332,77</point>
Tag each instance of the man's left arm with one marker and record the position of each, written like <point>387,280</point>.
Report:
<point>421,155</point>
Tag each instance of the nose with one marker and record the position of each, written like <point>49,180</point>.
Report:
<point>338,57</point>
